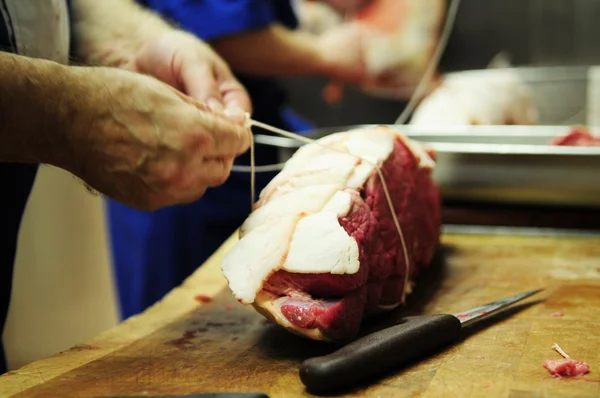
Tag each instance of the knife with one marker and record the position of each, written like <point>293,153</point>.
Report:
<point>377,352</point>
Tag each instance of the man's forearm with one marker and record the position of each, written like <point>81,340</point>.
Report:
<point>110,32</point>
<point>31,102</point>
<point>273,51</point>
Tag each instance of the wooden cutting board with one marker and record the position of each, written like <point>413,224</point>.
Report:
<point>184,345</point>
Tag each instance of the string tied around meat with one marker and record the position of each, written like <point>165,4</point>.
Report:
<point>415,98</point>
<point>289,134</point>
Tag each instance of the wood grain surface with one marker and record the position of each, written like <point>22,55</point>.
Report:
<point>186,344</point>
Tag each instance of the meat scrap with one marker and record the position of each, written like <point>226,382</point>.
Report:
<point>321,251</point>
<point>566,367</point>
<point>577,136</point>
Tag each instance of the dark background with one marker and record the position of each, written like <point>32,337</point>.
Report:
<point>533,32</point>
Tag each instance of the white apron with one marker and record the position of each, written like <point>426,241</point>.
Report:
<point>40,28</point>
<point>62,266</point>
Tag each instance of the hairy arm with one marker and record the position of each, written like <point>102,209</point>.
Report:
<point>111,32</point>
<point>32,94</point>
<point>37,96</point>
<point>273,51</point>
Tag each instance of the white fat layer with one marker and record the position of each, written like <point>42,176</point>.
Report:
<point>361,174</point>
<point>298,202</point>
<point>256,256</point>
<point>374,148</point>
<point>325,169</point>
<point>371,147</point>
<point>340,204</point>
<point>321,245</point>
<point>425,161</point>
<point>276,236</point>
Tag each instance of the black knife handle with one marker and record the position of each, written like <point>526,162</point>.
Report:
<point>379,351</point>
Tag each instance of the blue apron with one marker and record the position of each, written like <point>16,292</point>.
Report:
<point>37,30</point>
<point>153,252</point>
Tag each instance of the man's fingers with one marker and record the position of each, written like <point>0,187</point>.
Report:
<point>219,90</point>
<point>201,173</point>
<point>200,83</point>
<point>235,96</point>
<point>233,93</point>
<point>204,173</point>
<point>217,170</point>
<point>230,139</point>
<point>227,138</point>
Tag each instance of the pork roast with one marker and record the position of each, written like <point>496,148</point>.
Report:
<point>320,251</point>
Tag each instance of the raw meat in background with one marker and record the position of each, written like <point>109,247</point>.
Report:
<point>393,39</point>
<point>577,136</point>
<point>493,96</point>
<point>321,251</point>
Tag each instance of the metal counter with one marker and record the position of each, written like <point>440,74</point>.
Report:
<point>498,164</point>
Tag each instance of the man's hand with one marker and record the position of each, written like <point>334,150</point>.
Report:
<point>144,143</point>
<point>123,34</point>
<point>140,139</point>
<point>342,53</point>
<point>188,64</point>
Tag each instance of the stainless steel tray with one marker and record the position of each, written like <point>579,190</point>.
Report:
<point>499,164</point>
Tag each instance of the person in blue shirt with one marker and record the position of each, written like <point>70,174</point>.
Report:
<point>153,252</point>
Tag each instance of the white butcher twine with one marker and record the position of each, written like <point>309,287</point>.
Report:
<point>388,198</point>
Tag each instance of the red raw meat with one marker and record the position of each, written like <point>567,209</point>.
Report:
<point>332,305</point>
<point>578,136</point>
<point>566,367</point>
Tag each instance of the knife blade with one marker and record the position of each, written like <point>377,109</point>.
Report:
<point>380,351</point>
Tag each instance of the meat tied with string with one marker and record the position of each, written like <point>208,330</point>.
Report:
<point>321,249</point>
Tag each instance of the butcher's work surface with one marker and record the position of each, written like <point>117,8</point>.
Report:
<point>187,343</point>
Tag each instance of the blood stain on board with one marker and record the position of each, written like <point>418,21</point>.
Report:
<point>184,341</point>
<point>557,314</point>
<point>85,347</point>
<point>220,324</point>
<point>201,298</point>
